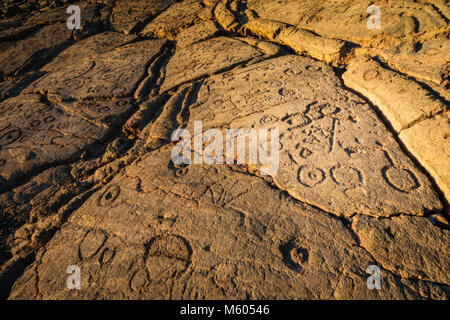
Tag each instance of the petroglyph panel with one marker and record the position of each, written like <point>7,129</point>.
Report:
<point>206,58</point>
<point>348,20</point>
<point>34,134</point>
<point>88,48</point>
<point>335,153</point>
<point>178,17</point>
<point>112,74</point>
<point>207,233</point>
<point>86,176</point>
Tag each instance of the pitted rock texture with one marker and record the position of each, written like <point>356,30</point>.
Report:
<point>87,122</point>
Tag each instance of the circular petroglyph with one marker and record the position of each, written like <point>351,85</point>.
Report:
<point>44,109</point>
<point>287,92</point>
<point>109,196</point>
<point>268,119</point>
<point>104,109</point>
<point>400,179</point>
<point>139,280</point>
<point>108,77</point>
<point>49,119</point>
<point>181,172</point>
<point>218,103</point>
<point>35,124</point>
<point>167,256</point>
<point>180,169</point>
<point>294,256</point>
<point>341,97</point>
<point>329,110</point>
<point>272,99</point>
<point>91,244</point>
<point>10,137</point>
<point>107,255</point>
<point>210,117</point>
<point>266,145</point>
<point>63,125</point>
<point>290,72</point>
<point>305,153</point>
<point>73,84</point>
<point>123,103</point>
<point>371,74</point>
<point>313,68</point>
<point>310,176</point>
<point>274,83</point>
<point>346,176</point>
<point>227,74</point>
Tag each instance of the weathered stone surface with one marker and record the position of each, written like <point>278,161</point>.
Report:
<point>304,42</point>
<point>206,58</point>
<point>86,125</point>
<point>88,48</point>
<point>16,32</point>
<point>91,20</point>
<point>197,33</point>
<point>129,16</point>
<point>431,61</point>
<point>160,232</point>
<point>410,246</point>
<point>328,30</point>
<point>178,17</point>
<point>19,56</point>
<point>441,5</point>
<point>15,86</point>
<point>110,74</point>
<point>59,15</point>
<point>348,20</point>
<point>402,101</point>
<point>301,40</point>
<point>328,155</point>
<point>40,197</point>
<point>348,288</point>
<point>269,48</point>
<point>207,13</point>
<point>36,134</point>
<point>429,142</point>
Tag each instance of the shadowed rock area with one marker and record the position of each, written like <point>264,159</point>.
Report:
<point>87,176</point>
